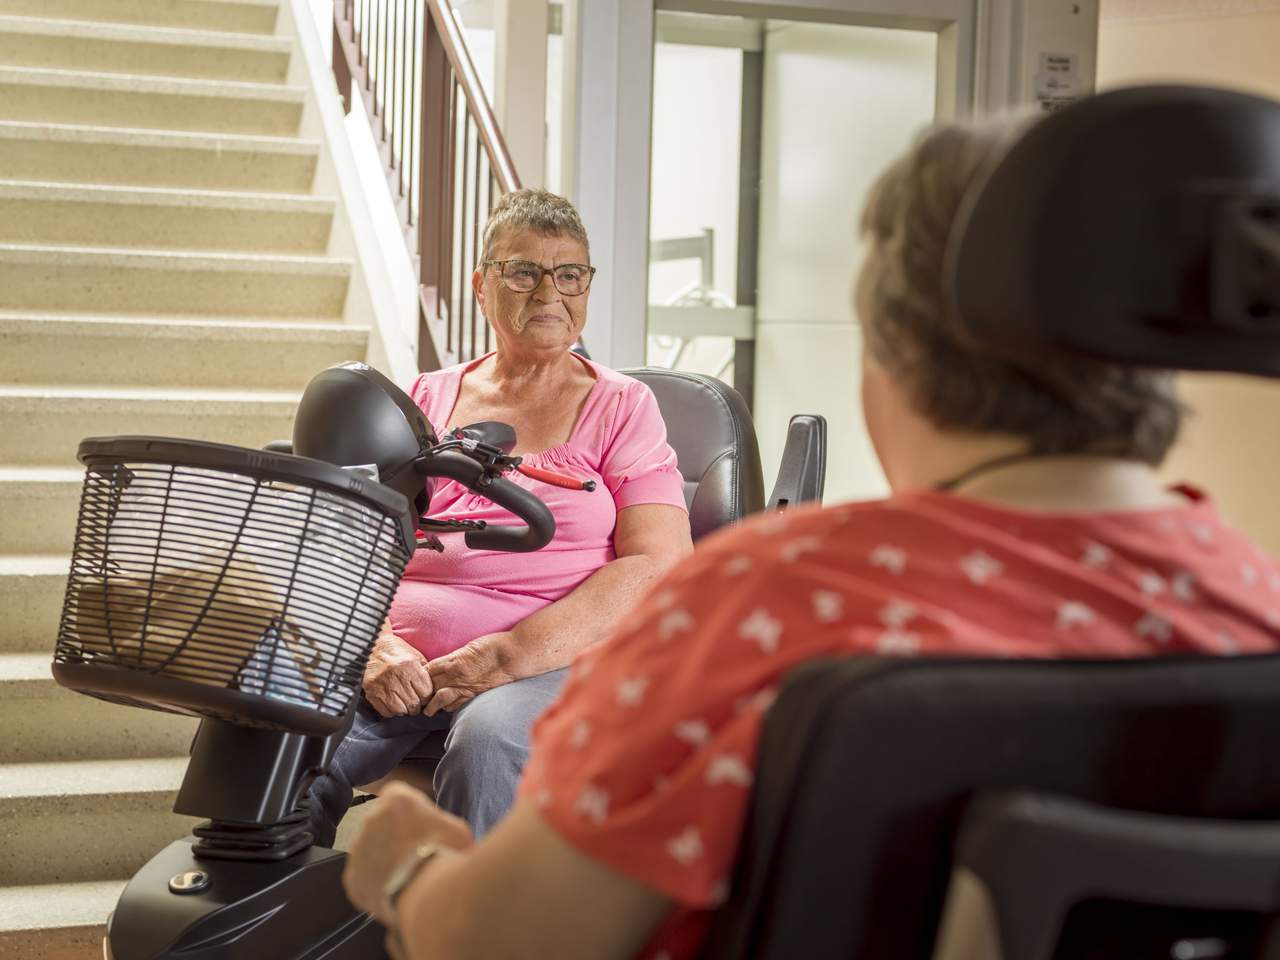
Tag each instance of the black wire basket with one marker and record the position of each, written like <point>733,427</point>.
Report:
<point>225,582</point>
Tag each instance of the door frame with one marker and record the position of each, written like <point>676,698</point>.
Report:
<point>609,114</point>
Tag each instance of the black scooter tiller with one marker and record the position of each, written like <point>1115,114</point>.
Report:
<point>247,587</point>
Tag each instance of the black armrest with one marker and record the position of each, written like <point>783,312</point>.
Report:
<point>803,471</point>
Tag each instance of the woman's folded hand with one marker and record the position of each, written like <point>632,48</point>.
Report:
<point>396,680</point>
<point>459,676</point>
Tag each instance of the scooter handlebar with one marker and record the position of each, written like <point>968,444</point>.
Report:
<point>540,524</point>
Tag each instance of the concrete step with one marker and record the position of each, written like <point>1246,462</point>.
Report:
<point>48,423</point>
<point>64,921</point>
<point>165,103</point>
<point>111,155</point>
<point>44,722</point>
<point>161,218</point>
<point>70,822</point>
<point>31,590</point>
<point>243,16</point>
<point>159,282</point>
<point>126,48</point>
<point>112,350</point>
<point>38,508</point>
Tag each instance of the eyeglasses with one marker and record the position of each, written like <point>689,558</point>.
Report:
<point>525,276</point>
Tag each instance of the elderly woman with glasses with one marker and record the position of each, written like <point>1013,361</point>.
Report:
<point>476,643</point>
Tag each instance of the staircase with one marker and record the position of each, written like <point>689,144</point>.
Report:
<point>174,259</point>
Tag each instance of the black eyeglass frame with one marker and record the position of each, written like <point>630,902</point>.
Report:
<point>542,272</point>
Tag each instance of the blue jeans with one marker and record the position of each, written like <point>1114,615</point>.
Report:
<point>485,749</point>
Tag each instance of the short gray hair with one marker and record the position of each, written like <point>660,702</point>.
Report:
<point>540,211</point>
<point>1063,404</point>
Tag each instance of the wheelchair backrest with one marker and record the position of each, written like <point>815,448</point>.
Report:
<point>710,429</point>
<point>866,766</point>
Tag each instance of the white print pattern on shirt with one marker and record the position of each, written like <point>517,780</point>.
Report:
<point>828,606</point>
<point>582,668</point>
<point>1151,583</point>
<point>1202,532</point>
<point>896,613</point>
<point>580,735</point>
<point>1072,613</point>
<point>694,732</point>
<point>1249,574</point>
<point>593,803</point>
<point>1227,643</point>
<point>1154,627</point>
<point>889,557</point>
<point>631,691</point>
<point>728,768</point>
<point>542,799</point>
<point>738,565</point>
<point>898,643</point>
<point>980,567</point>
<point>665,600</point>
<point>686,847</point>
<point>761,700</point>
<point>795,549</point>
<point>1095,555</point>
<point>773,522</point>
<point>673,622</point>
<point>1273,619</point>
<point>1184,587</point>
<point>763,629</point>
<point>1273,581</point>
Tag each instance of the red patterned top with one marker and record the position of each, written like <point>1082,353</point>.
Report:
<point>646,761</point>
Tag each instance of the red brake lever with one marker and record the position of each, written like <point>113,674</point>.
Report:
<point>556,479</point>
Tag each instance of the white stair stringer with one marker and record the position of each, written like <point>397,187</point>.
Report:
<point>178,256</point>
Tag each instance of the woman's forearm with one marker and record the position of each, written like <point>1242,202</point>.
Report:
<point>552,637</point>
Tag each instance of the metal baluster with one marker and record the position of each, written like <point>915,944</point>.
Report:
<point>446,211</point>
<point>415,125</point>
<point>475,238</point>
<point>389,128</point>
<point>459,239</point>
<point>488,333</point>
<point>362,38</point>
<point>406,40</point>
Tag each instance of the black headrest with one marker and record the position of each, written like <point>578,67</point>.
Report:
<point>1140,226</point>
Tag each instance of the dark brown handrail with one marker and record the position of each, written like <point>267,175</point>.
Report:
<point>426,107</point>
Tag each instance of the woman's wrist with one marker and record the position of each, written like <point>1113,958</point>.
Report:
<point>502,652</point>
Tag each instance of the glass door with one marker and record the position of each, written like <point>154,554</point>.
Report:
<point>767,134</point>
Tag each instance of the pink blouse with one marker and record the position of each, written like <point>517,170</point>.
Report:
<point>448,599</point>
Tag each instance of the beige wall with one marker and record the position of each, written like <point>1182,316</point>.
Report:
<point>1230,447</point>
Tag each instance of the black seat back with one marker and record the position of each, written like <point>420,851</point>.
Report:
<point>710,429</point>
<point>866,766</point>
<point>1041,877</point>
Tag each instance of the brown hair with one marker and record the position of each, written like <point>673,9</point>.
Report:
<point>1061,405</point>
<point>541,211</point>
